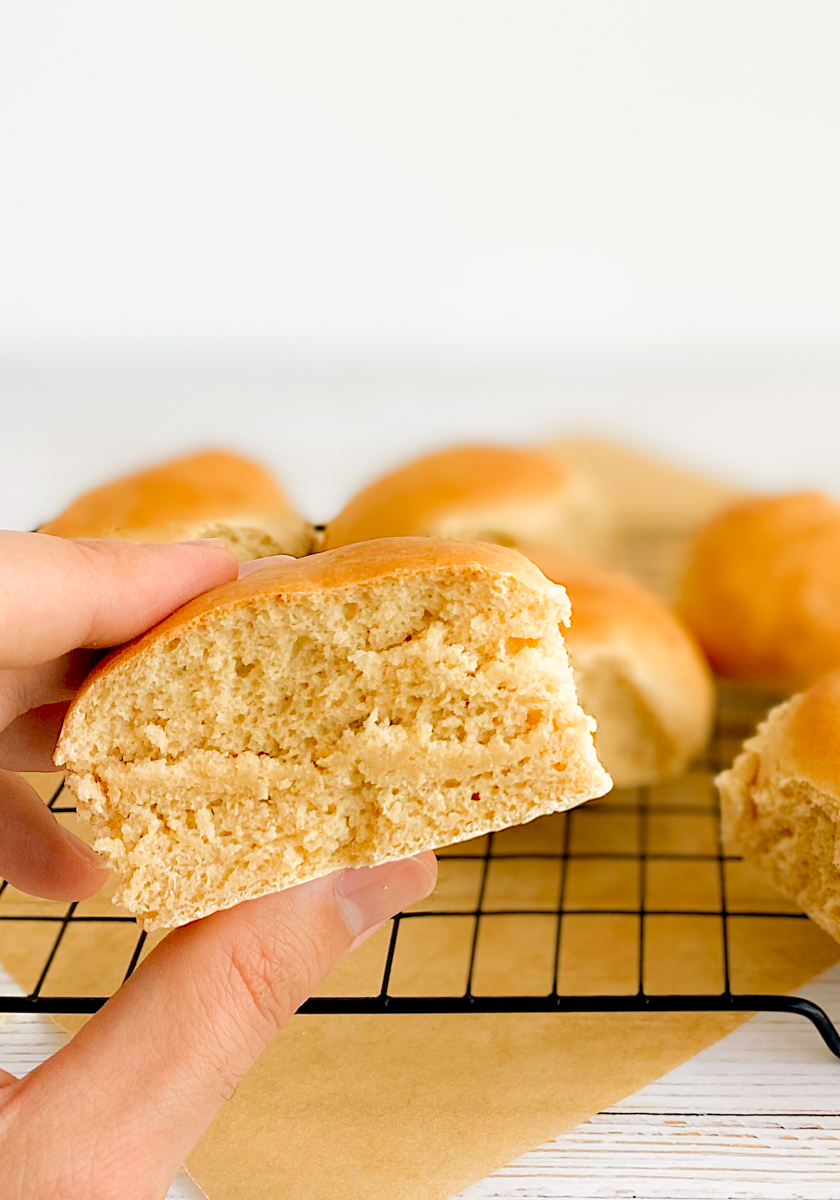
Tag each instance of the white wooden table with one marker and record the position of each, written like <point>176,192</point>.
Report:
<point>755,1117</point>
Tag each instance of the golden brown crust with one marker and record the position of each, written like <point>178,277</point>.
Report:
<point>198,489</point>
<point>415,498</point>
<point>325,572</point>
<point>803,743</point>
<point>762,590</point>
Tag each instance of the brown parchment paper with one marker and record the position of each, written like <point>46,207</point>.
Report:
<point>643,492</point>
<point>417,1107</point>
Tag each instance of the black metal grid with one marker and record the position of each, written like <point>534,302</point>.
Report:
<point>627,904</point>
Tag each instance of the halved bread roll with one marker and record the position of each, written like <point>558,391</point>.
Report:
<point>502,494</point>
<point>214,494</point>
<point>638,672</point>
<point>342,710</point>
<point>781,801</point>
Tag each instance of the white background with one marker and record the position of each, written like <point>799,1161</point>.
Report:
<point>334,233</point>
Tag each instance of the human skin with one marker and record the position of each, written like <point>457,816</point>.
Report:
<point>147,1074</point>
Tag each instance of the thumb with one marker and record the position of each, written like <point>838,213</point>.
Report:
<point>149,1072</point>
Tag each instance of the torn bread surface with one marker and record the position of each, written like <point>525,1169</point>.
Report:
<point>780,801</point>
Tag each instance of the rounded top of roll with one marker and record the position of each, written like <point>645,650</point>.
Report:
<point>762,590</point>
<point>800,743</point>
<point>419,497</point>
<point>213,485</point>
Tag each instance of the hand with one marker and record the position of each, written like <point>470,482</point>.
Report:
<point>147,1074</point>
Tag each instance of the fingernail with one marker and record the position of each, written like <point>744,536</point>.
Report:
<point>368,896</point>
<point>90,857</point>
<point>259,564</point>
<point>216,543</point>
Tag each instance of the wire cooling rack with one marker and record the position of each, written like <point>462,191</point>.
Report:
<point>627,904</point>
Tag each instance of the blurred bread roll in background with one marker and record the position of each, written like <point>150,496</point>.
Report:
<point>781,801</point>
<point>762,590</point>
<point>500,494</point>
<point>351,707</point>
<point>638,672</point>
<point>213,494</point>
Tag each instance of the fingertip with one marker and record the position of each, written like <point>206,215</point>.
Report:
<point>429,859</point>
<point>81,885</point>
<point>81,872</point>
<point>62,593</point>
<point>260,564</point>
<point>211,541</point>
<point>37,854</point>
<point>68,877</point>
<point>188,568</point>
<point>85,852</point>
<point>213,551</point>
<point>367,896</point>
<point>158,577</point>
<point>213,557</point>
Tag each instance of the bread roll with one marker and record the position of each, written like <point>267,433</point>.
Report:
<point>339,711</point>
<point>781,801</point>
<point>638,672</point>
<point>478,493</point>
<point>762,590</point>
<point>212,494</point>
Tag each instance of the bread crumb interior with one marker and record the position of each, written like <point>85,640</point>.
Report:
<point>630,742</point>
<point>280,740</point>
<point>789,831</point>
